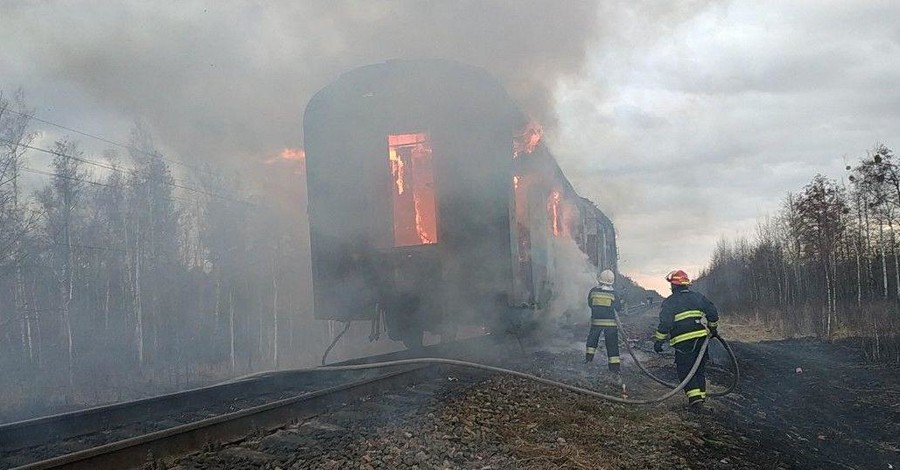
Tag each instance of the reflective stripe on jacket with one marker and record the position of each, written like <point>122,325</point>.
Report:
<point>603,302</point>
<point>681,314</point>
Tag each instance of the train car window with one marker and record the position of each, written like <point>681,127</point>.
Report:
<point>415,209</point>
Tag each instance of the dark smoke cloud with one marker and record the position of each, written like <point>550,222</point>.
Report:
<point>226,81</point>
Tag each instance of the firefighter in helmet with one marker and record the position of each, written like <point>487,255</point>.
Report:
<point>680,321</point>
<point>603,302</point>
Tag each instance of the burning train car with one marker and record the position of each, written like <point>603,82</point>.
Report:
<point>430,207</point>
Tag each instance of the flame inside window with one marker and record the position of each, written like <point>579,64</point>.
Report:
<point>412,171</point>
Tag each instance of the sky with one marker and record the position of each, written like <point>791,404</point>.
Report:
<point>685,121</point>
<point>701,126</point>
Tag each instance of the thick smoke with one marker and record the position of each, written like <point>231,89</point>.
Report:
<point>574,276</point>
<point>228,82</point>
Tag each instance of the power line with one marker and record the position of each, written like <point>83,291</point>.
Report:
<point>108,141</point>
<point>173,183</point>
<point>53,152</point>
<point>92,182</point>
<point>50,173</point>
<point>89,247</point>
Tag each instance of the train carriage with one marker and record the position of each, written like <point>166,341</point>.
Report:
<point>424,209</point>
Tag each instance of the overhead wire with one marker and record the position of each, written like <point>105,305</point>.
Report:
<point>108,141</point>
<point>91,182</point>
<point>106,166</point>
<point>124,171</point>
<point>65,177</point>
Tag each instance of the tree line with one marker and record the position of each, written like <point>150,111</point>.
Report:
<point>827,263</point>
<point>127,267</point>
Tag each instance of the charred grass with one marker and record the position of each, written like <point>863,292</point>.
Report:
<point>546,428</point>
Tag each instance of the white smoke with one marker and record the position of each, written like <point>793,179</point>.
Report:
<point>572,276</point>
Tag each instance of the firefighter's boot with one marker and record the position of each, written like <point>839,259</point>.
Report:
<point>696,404</point>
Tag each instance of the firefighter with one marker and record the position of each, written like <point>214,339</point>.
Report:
<point>680,320</point>
<point>603,302</point>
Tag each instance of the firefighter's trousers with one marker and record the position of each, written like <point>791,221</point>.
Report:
<point>611,334</point>
<point>686,353</point>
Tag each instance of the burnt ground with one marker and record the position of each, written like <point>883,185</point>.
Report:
<point>818,404</point>
<point>814,404</point>
<point>838,412</point>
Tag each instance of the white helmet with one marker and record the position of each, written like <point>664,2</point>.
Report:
<point>606,277</point>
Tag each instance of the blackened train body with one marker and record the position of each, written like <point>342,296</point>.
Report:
<point>431,208</point>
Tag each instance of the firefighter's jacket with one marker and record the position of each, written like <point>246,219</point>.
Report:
<point>603,300</point>
<point>680,315</point>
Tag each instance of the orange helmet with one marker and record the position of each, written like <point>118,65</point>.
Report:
<point>678,278</point>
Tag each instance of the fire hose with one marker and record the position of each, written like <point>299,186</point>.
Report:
<point>572,388</point>
<point>736,371</point>
<point>523,375</point>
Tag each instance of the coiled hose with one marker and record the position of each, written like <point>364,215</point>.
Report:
<point>736,370</point>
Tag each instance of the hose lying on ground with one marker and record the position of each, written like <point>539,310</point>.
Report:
<point>523,375</point>
<point>572,388</point>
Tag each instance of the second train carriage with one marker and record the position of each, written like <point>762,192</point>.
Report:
<point>424,209</point>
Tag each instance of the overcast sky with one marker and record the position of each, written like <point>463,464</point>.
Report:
<point>700,127</point>
<point>685,122</point>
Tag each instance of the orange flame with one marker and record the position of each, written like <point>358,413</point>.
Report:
<point>528,139</point>
<point>553,209</point>
<point>420,225</point>
<point>415,215</point>
<point>288,154</point>
<point>293,154</point>
<point>397,170</point>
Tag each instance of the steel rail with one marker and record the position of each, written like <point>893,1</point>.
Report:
<point>48,429</point>
<point>136,451</point>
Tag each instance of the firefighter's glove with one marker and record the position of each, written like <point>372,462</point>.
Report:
<point>657,346</point>
<point>714,332</point>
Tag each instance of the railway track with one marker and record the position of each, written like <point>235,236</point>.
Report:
<point>127,435</point>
